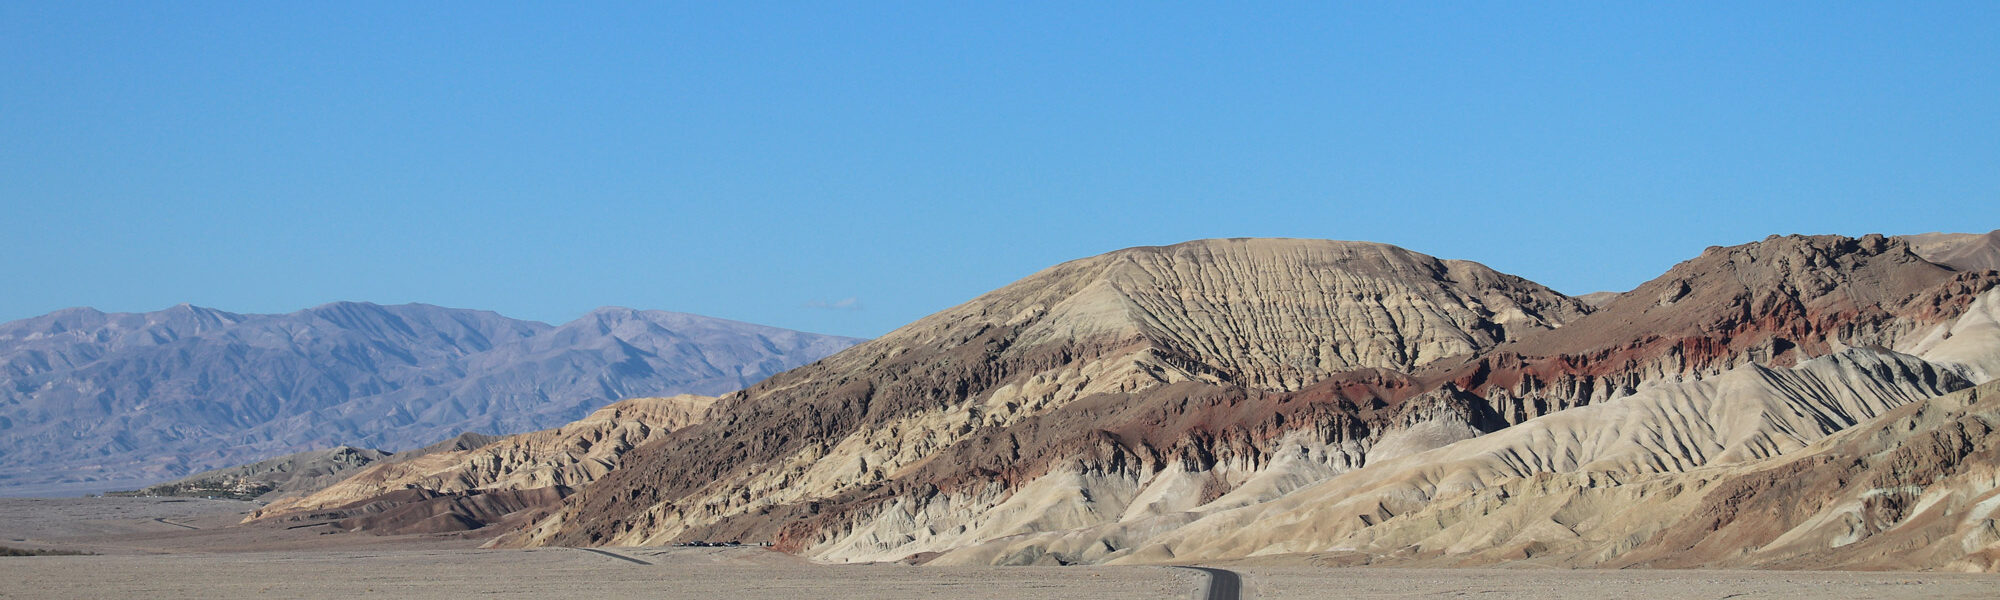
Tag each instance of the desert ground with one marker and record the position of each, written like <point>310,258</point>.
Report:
<point>172,548</point>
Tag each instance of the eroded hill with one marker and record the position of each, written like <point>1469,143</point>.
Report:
<point>1351,401</point>
<point>510,479</point>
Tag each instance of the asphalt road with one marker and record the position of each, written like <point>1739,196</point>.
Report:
<point>1223,584</point>
<point>616,555</point>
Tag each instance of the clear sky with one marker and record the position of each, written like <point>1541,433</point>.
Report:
<point>846,168</point>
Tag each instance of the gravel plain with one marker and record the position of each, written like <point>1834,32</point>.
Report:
<point>145,549</point>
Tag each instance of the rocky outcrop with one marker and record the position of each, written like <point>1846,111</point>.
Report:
<point>1000,389</point>
<point>266,480</point>
<point>1777,302</point>
<point>1910,489</point>
<point>293,475</point>
<point>1597,299</point>
<point>465,441</point>
<point>1913,490</point>
<point>560,459</point>
<point>472,513</point>
<point>1480,499</point>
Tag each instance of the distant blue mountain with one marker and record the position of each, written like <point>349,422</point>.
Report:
<point>92,400</point>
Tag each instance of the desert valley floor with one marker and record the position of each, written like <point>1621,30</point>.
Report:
<point>149,547</point>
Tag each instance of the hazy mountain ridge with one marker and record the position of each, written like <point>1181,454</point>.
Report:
<point>92,396</point>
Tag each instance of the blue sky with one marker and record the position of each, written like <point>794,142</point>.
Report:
<point>848,168</point>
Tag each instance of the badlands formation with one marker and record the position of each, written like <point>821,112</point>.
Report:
<point>474,487</point>
<point>1798,402</point>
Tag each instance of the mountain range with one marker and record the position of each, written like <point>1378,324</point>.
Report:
<point>92,401</point>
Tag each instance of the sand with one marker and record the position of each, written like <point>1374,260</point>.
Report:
<point>756,573</point>
<point>143,557</point>
<point>553,573</point>
<point>1278,583</point>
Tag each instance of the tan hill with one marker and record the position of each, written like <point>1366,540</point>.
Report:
<point>1579,487</point>
<point>1962,251</point>
<point>534,469</point>
<point>1577,482</point>
<point>994,393</point>
<point>266,480</point>
<point>1110,408</point>
<point>1911,489</point>
<point>297,474</point>
<point>1776,302</point>
<point>464,441</point>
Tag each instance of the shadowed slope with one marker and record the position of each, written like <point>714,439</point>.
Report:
<point>571,455</point>
<point>264,480</point>
<point>1962,251</point>
<point>470,488</point>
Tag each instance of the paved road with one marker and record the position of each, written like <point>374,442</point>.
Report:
<point>617,556</point>
<point>1223,584</point>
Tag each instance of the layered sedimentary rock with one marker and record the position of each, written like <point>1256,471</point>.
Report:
<point>289,475</point>
<point>1776,302</point>
<point>1016,384</point>
<point>1916,489</point>
<point>1576,481</point>
<point>1579,487</point>
<point>1356,402</point>
<point>1913,488</point>
<point>301,473</point>
<point>463,488</point>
